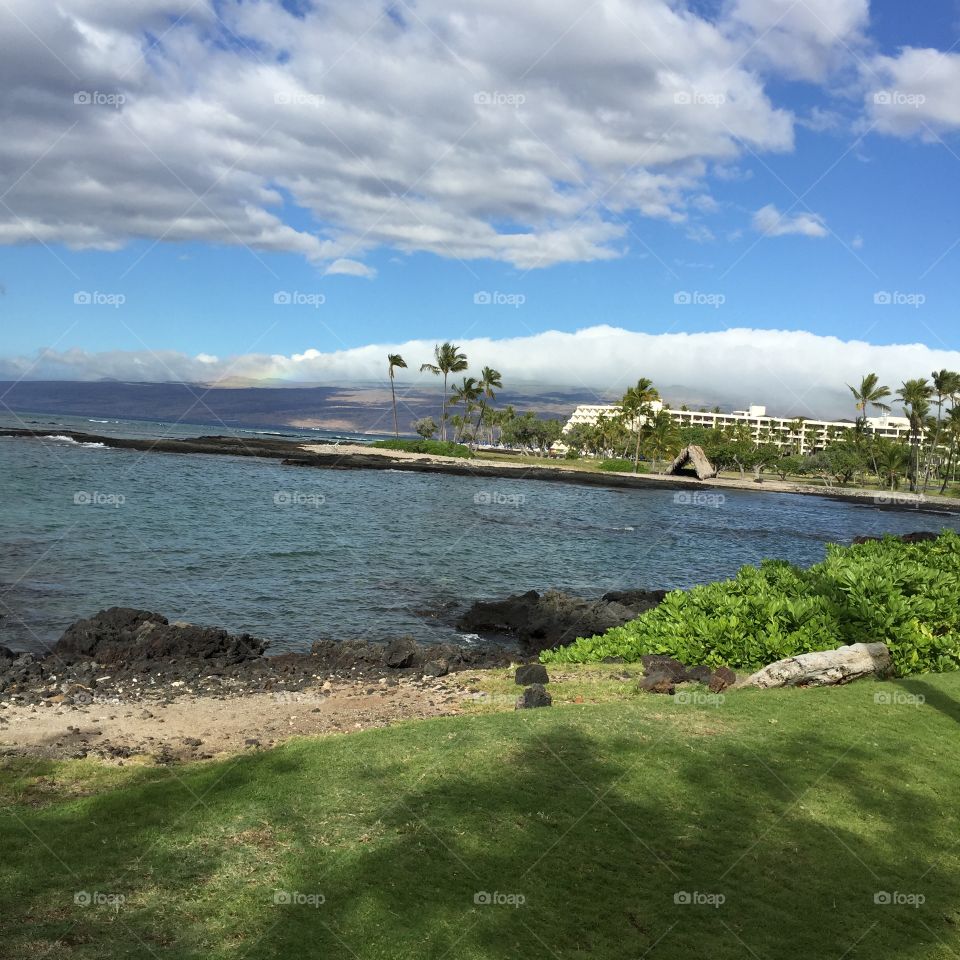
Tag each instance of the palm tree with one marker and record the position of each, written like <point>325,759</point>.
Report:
<point>394,360</point>
<point>953,431</point>
<point>946,383</point>
<point>447,359</point>
<point>889,462</point>
<point>870,393</point>
<point>796,428</point>
<point>914,396</point>
<point>490,380</point>
<point>662,436</point>
<point>634,405</point>
<point>465,393</point>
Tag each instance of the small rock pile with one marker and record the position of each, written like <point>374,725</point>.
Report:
<point>533,677</point>
<point>662,674</point>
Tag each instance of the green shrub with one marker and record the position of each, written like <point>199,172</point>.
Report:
<point>904,595</point>
<point>621,466</point>
<point>440,448</point>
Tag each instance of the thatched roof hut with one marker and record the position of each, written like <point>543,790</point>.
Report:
<point>695,457</point>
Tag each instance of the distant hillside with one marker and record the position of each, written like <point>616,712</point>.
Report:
<point>360,408</point>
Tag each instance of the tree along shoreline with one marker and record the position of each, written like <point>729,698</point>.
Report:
<point>294,454</point>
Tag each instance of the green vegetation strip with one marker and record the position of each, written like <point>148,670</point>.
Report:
<point>440,448</point>
<point>904,595</point>
<point>789,824</point>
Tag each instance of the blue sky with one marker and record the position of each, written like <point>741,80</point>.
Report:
<point>795,208</point>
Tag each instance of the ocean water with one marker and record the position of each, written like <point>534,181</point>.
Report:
<point>294,554</point>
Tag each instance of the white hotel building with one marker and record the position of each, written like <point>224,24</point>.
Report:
<point>806,435</point>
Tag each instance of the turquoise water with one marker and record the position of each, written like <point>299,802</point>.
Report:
<point>294,554</point>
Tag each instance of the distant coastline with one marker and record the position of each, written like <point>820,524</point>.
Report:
<point>333,456</point>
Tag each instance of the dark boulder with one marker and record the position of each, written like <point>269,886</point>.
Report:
<point>338,656</point>
<point>401,653</point>
<point>701,674</point>
<point>918,536</point>
<point>541,622</point>
<point>657,683</point>
<point>126,635</point>
<point>534,696</point>
<point>501,616</point>
<point>531,673</point>
<point>436,668</point>
<point>722,678</point>
<point>657,663</point>
<point>638,600</point>
<point>7,654</point>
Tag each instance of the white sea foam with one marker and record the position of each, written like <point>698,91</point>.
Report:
<point>76,443</point>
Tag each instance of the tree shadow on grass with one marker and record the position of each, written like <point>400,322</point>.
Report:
<point>565,848</point>
<point>530,834</point>
<point>932,696</point>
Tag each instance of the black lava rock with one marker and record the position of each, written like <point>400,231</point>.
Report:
<point>401,653</point>
<point>723,677</point>
<point>534,696</point>
<point>657,683</point>
<point>531,673</point>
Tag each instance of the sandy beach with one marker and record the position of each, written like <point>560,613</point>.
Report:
<point>188,727</point>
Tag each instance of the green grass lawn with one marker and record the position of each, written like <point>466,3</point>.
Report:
<point>781,815</point>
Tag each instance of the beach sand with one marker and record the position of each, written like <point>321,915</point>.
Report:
<point>196,727</point>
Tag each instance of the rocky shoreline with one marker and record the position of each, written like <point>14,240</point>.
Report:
<point>127,682</point>
<point>130,653</point>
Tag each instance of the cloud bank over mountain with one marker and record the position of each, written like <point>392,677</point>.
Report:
<point>793,372</point>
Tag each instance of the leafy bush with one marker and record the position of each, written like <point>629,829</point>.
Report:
<point>904,595</point>
<point>620,466</point>
<point>440,448</point>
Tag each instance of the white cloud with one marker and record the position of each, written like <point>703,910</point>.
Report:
<point>803,39</point>
<point>820,120</point>
<point>915,92</point>
<point>350,268</point>
<point>771,222</point>
<point>795,373</point>
<point>474,129</point>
